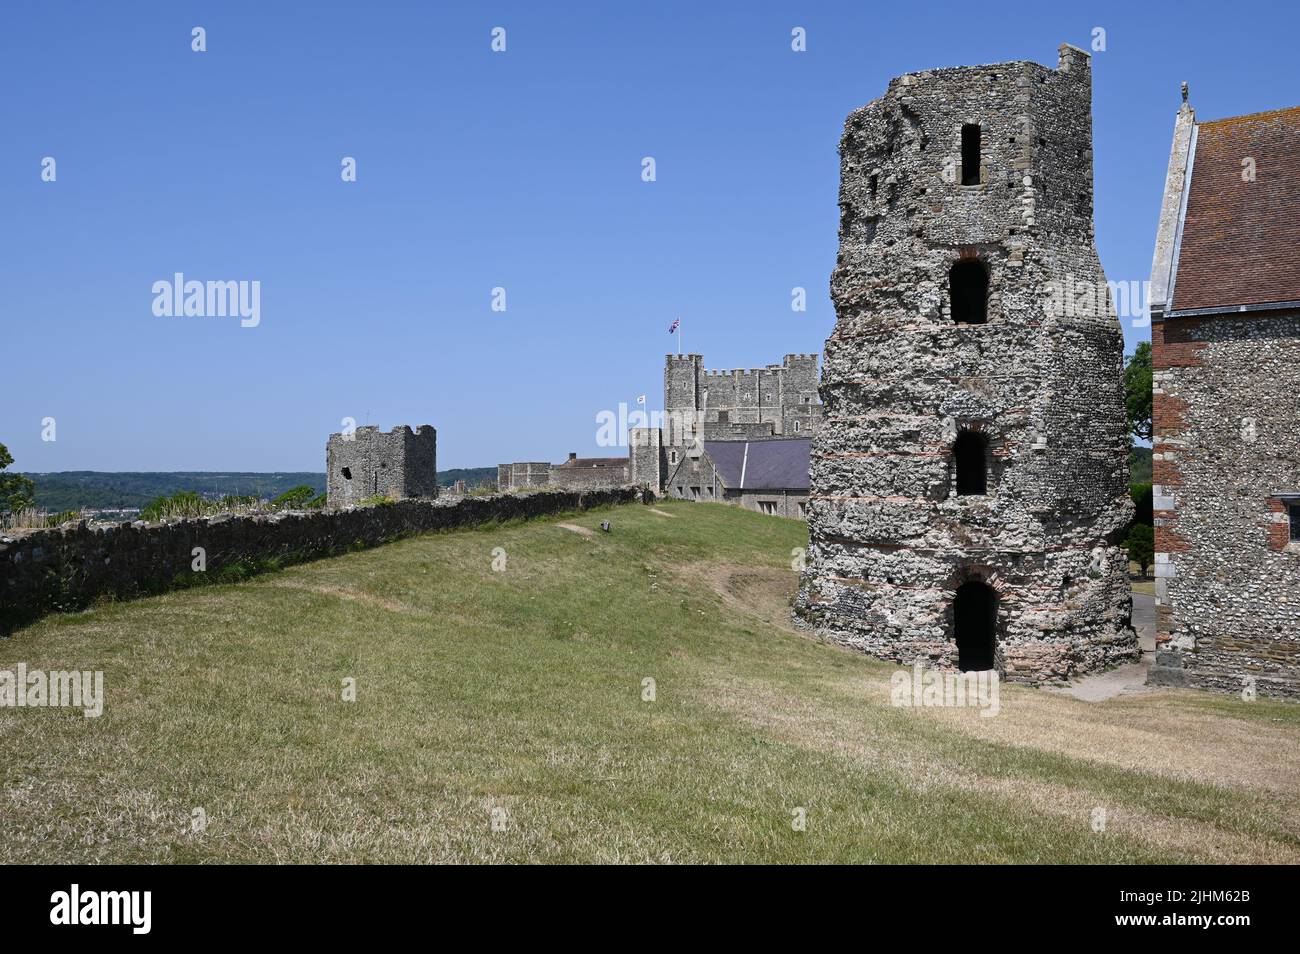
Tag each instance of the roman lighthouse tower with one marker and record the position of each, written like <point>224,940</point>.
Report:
<point>970,483</point>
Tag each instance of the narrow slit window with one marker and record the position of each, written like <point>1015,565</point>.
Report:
<point>1294,511</point>
<point>970,459</point>
<point>968,292</point>
<point>970,154</point>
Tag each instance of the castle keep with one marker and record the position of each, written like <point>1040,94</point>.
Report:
<point>1225,336</point>
<point>777,402</point>
<point>370,463</point>
<point>969,481</point>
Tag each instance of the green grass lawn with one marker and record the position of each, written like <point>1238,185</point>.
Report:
<point>520,692</point>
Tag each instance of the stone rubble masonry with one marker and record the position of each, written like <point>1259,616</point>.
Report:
<point>368,463</point>
<point>1225,407</point>
<point>890,540</point>
<point>52,570</point>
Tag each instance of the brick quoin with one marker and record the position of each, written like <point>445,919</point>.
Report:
<point>1279,534</point>
<point>1174,344</point>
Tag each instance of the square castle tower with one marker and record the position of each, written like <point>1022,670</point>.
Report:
<point>369,463</point>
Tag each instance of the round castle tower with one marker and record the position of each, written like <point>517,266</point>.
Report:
<point>970,482</point>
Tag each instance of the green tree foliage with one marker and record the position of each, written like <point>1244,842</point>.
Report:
<point>1141,494</point>
<point>1137,391</point>
<point>1139,464</point>
<point>16,491</point>
<point>1141,545</point>
<point>295,498</point>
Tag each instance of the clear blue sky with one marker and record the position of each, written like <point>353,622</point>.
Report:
<point>476,170</point>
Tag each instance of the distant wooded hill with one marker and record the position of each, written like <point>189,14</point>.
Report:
<point>1139,465</point>
<point>106,490</point>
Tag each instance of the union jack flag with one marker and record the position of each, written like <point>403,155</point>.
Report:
<point>676,322</point>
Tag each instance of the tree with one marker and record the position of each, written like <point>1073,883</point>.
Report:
<point>1142,502</point>
<point>1137,391</point>
<point>16,491</point>
<point>295,497</point>
<point>1141,544</point>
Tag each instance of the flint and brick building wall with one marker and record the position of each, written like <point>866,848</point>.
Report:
<point>891,540</point>
<point>1225,357</point>
<point>1225,462</point>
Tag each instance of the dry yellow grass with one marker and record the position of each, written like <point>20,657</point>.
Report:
<point>521,694</point>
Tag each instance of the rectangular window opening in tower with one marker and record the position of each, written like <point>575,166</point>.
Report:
<point>1293,511</point>
<point>970,154</point>
<point>970,457</point>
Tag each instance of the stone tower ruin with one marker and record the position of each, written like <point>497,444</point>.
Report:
<point>969,482</point>
<point>369,463</point>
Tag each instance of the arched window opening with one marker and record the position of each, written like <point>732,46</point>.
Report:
<point>968,292</point>
<point>974,623</point>
<point>970,154</point>
<point>970,460</point>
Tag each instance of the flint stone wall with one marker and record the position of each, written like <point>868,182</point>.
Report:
<point>1225,402</point>
<point>52,570</point>
<point>890,540</point>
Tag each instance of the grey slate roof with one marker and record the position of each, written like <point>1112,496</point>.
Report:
<point>765,465</point>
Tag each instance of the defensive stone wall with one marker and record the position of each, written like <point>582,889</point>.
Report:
<point>67,569</point>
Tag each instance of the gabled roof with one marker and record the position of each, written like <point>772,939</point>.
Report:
<point>1239,242</point>
<point>761,465</point>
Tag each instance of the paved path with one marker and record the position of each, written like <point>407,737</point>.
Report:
<point>1128,678</point>
<point>1144,621</point>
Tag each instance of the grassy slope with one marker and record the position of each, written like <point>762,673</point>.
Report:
<point>522,690</point>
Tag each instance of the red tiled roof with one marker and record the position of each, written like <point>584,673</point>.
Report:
<point>1241,239</point>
